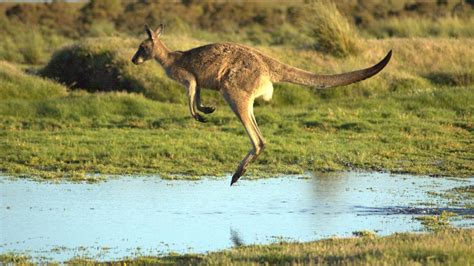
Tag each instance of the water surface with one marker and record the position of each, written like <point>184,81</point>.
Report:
<point>146,215</point>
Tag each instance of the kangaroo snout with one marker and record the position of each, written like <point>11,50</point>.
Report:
<point>137,60</point>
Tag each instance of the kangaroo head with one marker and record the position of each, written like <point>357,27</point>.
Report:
<point>146,50</point>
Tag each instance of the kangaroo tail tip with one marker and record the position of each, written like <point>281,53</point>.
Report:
<point>388,56</point>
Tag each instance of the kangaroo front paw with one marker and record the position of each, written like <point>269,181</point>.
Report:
<point>200,118</point>
<point>207,109</point>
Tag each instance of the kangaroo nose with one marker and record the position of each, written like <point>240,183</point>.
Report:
<point>137,60</point>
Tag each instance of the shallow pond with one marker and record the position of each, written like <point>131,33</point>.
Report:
<point>130,216</point>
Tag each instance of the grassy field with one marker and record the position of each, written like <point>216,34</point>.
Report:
<point>427,133</point>
<point>448,247</point>
<point>412,118</point>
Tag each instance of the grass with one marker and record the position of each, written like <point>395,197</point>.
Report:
<point>443,248</point>
<point>414,117</point>
<point>15,259</point>
<point>28,44</point>
<point>446,247</point>
<point>462,196</point>
<point>426,133</point>
<point>415,27</point>
<point>33,88</point>
<point>436,222</point>
<point>399,121</point>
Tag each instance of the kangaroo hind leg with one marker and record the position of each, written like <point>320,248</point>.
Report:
<point>243,108</point>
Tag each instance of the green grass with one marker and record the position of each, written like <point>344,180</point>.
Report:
<point>28,44</point>
<point>116,133</point>
<point>416,27</point>
<point>403,120</point>
<point>446,247</point>
<point>17,85</point>
<point>436,222</point>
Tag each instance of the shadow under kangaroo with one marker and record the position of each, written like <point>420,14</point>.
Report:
<point>240,74</point>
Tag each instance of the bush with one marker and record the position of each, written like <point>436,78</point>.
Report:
<point>332,32</point>
<point>103,64</point>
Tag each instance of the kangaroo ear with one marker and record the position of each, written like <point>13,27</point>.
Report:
<point>150,33</point>
<point>160,30</point>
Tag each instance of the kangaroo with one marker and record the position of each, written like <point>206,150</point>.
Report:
<point>240,74</point>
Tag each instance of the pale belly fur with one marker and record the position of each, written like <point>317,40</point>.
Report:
<point>265,89</point>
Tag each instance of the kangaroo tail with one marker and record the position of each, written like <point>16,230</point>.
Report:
<point>286,73</point>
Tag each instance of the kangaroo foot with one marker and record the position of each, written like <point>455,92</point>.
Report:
<point>200,118</point>
<point>207,109</point>
<point>237,175</point>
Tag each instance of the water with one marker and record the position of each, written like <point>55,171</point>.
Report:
<point>146,215</point>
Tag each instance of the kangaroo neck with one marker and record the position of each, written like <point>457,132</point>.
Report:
<point>162,53</point>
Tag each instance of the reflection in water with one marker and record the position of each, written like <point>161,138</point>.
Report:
<point>235,238</point>
<point>157,216</point>
<point>326,186</point>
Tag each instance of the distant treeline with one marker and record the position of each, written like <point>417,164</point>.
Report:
<point>76,19</point>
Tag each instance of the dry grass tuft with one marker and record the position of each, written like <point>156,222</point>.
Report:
<point>332,32</point>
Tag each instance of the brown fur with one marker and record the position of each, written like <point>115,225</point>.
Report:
<point>241,74</point>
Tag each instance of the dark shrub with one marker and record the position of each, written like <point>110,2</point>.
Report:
<point>103,64</point>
